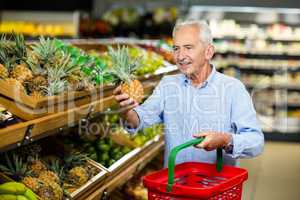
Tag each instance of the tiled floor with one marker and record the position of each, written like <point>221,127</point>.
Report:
<point>275,175</point>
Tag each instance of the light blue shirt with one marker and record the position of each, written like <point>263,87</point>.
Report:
<point>220,104</point>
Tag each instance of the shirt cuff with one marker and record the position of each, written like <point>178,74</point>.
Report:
<point>236,146</point>
<point>141,122</point>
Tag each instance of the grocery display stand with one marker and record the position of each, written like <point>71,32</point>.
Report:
<point>48,124</point>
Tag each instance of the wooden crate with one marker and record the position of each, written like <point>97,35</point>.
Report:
<point>97,180</point>
<point>16,133</point>
<point>28,108</point>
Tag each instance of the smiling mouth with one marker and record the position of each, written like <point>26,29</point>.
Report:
<point>184,64</point>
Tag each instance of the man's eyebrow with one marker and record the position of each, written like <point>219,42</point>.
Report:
<point>188,45</point>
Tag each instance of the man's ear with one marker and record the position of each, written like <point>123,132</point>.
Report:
<point>209,52</point>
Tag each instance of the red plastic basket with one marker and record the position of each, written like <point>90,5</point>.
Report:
<point>193,180</point>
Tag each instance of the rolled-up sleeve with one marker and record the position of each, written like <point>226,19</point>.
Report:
<point>151,111</point>
<point>248,139</point>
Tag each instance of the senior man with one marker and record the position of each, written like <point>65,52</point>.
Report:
<point>198,102</point>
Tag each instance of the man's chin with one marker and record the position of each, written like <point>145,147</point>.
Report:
<point>186,72</point>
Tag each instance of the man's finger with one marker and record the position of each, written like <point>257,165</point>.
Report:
<point>117,90</point>
<point>121,97</point>
<point>197,135</point>
<point>127,102</point>
<point>203,144</point>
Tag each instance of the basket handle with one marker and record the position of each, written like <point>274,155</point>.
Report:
<point>173,154</point>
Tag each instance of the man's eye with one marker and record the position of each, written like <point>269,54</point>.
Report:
<point>188,47</point>
<point>175,49</point>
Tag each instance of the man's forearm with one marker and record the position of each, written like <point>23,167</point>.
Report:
<point>131,118</point>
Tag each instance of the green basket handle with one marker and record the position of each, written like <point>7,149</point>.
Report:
<point>173,154</point>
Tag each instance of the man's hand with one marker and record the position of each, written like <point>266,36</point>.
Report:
<point>124,101</point>
<point>213,140</point>
<point>126,108</point>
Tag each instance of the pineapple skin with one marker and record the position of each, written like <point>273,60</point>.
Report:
<point>50,191</point>
<point>134,90</point>
<point>49,175</point>
<point>78,176</point>
<point>3,72</point>
<point>21,73</point>
<point>32,183</point>
<point>36,83</point>
<point>36,167</point>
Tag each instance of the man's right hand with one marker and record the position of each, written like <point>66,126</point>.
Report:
<point>126,108</point>
<point>126,103</point>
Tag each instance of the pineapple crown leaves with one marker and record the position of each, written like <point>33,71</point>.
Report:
<point>56,166</point>
<point>6,51</point>
<point>75,159</point>
<point>123,65</point>
<point>55,87</point>
<point>15,167</point>
<point>20,49</point>
<point>45,50</point>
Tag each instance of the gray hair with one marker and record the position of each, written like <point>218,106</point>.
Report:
<point>204,30</point>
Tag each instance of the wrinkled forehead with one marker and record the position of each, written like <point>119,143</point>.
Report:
<point>187,34</point>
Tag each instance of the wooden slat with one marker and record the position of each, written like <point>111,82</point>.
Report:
<point>124,175</point>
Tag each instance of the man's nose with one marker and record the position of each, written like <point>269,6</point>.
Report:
<point>181,55</point>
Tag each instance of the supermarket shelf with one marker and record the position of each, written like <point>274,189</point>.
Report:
<point>259,55</point>
<point>146,156</point>
<point>265,70</point>
<point>282,136</point>
<point>294,87</point>
<point>25,132</point>
<point>243,39</point>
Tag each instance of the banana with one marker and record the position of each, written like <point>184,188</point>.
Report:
<point>30,195</point>
<point>8,197</point>
<point>20,197</point>
<point>13,188</point>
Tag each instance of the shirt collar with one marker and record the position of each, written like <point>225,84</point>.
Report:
<point>209,79</point>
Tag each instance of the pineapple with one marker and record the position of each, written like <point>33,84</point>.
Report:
<point>50,190</point>
<point>5,50</point>
<point>35,85</point>
<point>55,87</point>
<point>36,167</point>
<point>3,72</point>
<point>44,52</point>
<point>78,81</point>
<point>21,73</point>
<point>75,159</point>
<point>49,175</point>
<point>77,176</point>
<point>32,183</point>
<point>122,68</point>
<point>20,49</point>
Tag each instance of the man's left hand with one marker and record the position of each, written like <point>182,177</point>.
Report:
<point>213,140</point>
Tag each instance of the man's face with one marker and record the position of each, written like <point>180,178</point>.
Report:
<point>189,52</point>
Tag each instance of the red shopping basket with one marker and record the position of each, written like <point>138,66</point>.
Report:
<point>194,180</point>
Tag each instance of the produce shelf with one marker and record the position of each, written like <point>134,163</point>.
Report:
<point>149,153</point>
<point>16,135</point>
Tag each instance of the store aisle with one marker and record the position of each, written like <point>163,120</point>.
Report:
<point>275,175</point>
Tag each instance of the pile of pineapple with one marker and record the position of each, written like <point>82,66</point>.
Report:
<point>50,177</point>
<point>40,69</point>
